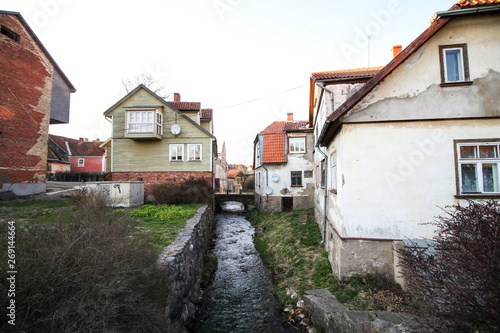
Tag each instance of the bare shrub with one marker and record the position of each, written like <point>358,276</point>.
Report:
<point>90,272</point>
<point>458,278</point>
<point>194,190</point>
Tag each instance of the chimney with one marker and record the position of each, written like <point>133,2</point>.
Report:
<point>177,97</point>
<point>80,140</point>
<point>289,117</point>
<point>396,49</point>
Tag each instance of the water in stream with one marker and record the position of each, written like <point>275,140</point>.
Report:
<point>239,298</point>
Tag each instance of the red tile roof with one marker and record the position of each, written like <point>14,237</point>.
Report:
<point>273,148</point>
<point>296,125</point>
<point>77,148</point>
<point>233,173</point>
<point>276,127</point>
<point>347,73</point>
<point>186,106</point>
<point>206,113</point>
<point>476,3</point>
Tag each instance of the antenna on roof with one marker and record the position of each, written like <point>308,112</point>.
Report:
<point>369,38</point>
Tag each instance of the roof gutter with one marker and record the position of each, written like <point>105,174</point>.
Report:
<point>323,132</point>
<point>468,11</point>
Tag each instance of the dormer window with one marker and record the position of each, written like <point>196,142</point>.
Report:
<point>9,33</point>
<point>454,64</point>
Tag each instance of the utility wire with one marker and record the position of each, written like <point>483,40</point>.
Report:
<point>257,99</point>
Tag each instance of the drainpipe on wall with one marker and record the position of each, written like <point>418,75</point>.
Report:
<point>331,94</point>
<point>326,190</point>
<point>267,181</point>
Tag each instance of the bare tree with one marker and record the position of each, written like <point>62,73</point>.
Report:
<point>148,81</point>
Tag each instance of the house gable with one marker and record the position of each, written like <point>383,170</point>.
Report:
<point>142,97</point>
<point>414,90</point>
<point>335,120</point>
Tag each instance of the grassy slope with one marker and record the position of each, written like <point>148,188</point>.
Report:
<point>289,244</point>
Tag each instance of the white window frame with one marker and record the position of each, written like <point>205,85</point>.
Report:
<point>293,142</point>
<point>463,63</point>
<point>194,145</point>
<point>333,176</point>
<point>460,64</point>
<point>153,124</point>
<point>478,161</point>
<point>170,150</point>
<point>81,162</point>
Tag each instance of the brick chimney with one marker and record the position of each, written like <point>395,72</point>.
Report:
<point>289,117</point>
<point>177,97</point>
<point>396,49</point>
<point>80,140</point>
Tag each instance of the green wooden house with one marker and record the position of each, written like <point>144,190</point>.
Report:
<point>157,142</point>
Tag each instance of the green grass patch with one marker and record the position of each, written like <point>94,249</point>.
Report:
<point>164,221</point>
<point>290,246</point>
<point>34,211</point>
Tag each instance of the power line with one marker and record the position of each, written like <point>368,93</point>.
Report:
<point>257,99</point>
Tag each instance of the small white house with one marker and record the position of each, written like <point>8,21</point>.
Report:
<point>283,164</point>
<point>422,134</point>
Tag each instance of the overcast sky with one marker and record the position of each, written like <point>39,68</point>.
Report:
<point>249,60</point>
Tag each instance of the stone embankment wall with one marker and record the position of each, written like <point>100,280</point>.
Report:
<point>324,309</point>
<point>183,263</point>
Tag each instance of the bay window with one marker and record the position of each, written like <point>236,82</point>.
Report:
<point>145,121</point>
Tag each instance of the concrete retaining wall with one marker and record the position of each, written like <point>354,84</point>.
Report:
<point>183,262</point>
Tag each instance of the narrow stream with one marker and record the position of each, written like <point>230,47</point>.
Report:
<point>239,298</point>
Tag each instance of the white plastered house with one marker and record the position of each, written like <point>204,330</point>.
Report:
<point>422,134</point>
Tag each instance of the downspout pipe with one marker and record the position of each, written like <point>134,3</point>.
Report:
<point>326,192</point>
<point>331,94</point>
<point>267,180</point>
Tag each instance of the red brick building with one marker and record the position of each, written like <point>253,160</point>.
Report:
<point>34,93</point>
<point>81,154</point>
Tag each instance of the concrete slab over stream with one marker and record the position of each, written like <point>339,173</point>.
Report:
<point>325,310</point>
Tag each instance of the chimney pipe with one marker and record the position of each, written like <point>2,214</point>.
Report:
<point>289,117</point>
<point>177,97</point>
<point>396,49</point>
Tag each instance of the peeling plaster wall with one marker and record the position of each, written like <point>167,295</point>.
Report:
<point>420,76</point>
<point>401,173</point>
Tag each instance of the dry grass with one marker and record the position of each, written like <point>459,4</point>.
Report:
<point>84,273</point>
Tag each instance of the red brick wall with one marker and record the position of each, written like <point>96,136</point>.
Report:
<point>92,163</point>
<point>25,95</point>
<point>153,178</point>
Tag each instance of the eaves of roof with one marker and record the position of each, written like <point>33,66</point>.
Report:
<point>141,86</point>
<point>39,43</point>
<point>334,121</point>
<point>346,74</point>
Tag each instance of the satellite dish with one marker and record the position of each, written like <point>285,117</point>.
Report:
<point>268,190</point>
<point>275,177</point>
<point>176,129</point>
